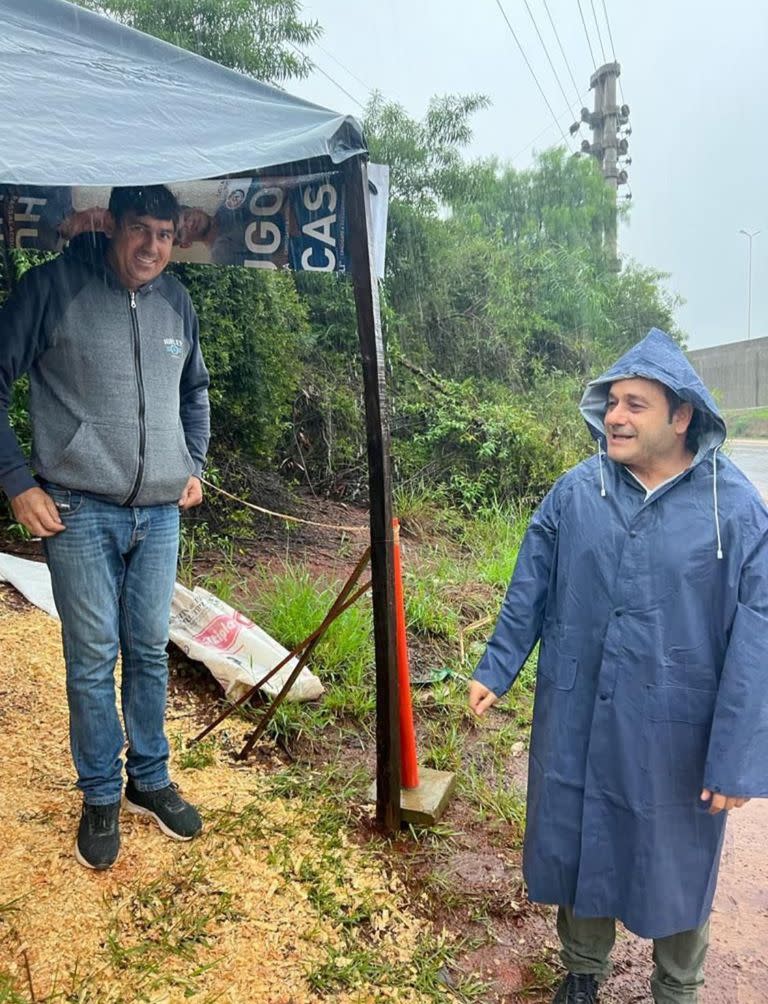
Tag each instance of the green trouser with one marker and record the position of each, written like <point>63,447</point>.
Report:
<point>679,959</point>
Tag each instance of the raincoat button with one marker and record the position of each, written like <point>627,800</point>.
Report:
<point>604,697</point>
<point>633,533</point>
<point>619,612</point>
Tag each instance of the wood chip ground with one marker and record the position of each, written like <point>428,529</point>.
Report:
<point>267,906</point>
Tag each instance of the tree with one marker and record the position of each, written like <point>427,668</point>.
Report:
<point>423,157</point>
<point>561,201</point>
<point>257,37</point>
<point>253,327</point>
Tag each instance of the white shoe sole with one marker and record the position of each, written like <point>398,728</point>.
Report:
<point>86,864</point>
<point>139,810</point>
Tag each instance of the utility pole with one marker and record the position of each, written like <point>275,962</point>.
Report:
<point>749,234</point>
<point>607,146</point>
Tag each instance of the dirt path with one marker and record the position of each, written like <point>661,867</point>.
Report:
<point>737,967</point>
<point>738,960</point>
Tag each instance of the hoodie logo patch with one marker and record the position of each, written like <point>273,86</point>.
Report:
<point>173,346</point>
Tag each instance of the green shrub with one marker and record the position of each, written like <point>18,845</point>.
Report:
<point>253,328</point>
<point>482,449</point>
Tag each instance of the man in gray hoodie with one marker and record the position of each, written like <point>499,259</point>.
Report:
<point>119,408</point>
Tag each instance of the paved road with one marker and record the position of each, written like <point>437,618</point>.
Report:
<point>752,457</point>
<point>737,970</point>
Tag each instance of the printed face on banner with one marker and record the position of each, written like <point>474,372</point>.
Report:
<point>260,222</point>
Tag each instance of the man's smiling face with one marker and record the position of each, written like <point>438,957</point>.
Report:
<point>640,432</point>
<point>140,248</point>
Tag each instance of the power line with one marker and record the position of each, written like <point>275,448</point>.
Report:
<point>582,98</point>
<point>599,36</point>
<point>319,69</point>
<point>586,33</point>
<point>562,51</point>
<point>346,69</point>
<point>536,79</point>
<point>546,53</point>
<point>613,47</point>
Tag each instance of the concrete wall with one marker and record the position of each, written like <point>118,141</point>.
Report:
<point>737,372</point>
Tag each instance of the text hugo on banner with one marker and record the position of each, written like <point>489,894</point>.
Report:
<point>258,222</point>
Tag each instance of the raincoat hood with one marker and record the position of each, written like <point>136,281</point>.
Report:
<point>657,357</point>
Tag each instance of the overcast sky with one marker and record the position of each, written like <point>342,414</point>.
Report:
<point>693,73</point>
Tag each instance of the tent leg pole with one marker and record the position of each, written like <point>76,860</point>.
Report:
<point>380,489</point>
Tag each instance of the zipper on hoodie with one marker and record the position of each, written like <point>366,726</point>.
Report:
<point>142,402</point>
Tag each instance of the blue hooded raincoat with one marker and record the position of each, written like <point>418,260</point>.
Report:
<point>653,669</point>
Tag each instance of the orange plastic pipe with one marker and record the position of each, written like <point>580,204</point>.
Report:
<point>409,770</point>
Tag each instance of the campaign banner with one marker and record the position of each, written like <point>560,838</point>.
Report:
<point>269,222</point>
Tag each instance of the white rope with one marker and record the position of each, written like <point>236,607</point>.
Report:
<point>282,515</point>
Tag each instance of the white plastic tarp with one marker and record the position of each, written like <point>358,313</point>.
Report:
<point>87,101</point>
<point>32,579</point>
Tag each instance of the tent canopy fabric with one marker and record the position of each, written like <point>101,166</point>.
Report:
<point>88,101</point>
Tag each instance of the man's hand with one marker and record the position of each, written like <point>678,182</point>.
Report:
<point>480,698</point>
<point>85,220</point>
<point>192,494</point>
<point>37,511</point>
<point>721,803</point>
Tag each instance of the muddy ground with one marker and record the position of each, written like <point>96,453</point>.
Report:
<point>472,877</point>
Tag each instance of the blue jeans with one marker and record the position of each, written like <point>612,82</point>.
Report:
<point>113,570</point>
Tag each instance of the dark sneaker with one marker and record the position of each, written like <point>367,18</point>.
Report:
<point>98,836</point>
<point>577,988</point>
<point>175,817</point>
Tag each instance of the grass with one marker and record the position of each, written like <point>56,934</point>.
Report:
<point>423,510</point>
<point>7,993</point>
<point>428,973</point>
<point>493,797</point>
<point>427,609</point>
<point>542,977</point>
<point>447,583</point>
<point>747,423</point>
<point>503,742</point>
<point>443,748</point>
<point>170,917</point>
<point>452,578</point>
<point>454,575</point>
<point>493,538</point>
<point>291,605</point>
<point>334,784</point>
<point>198,756</point>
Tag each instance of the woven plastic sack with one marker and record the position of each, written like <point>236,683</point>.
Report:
<point>236,651</point>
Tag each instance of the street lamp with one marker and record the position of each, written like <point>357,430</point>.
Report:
<point>749,234</point>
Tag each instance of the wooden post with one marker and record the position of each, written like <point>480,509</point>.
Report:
<point>380,490</point>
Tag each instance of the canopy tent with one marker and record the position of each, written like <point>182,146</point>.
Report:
<point>89,102</point>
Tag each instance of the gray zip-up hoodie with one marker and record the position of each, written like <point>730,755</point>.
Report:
<point>118,387</point>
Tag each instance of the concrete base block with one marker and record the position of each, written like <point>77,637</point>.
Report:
<point>424,805</point>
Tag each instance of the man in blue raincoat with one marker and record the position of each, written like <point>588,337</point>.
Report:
<point>644,574</point>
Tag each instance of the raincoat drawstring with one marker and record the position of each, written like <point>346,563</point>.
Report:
<point>600,462</point>
<point>714,494</point>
